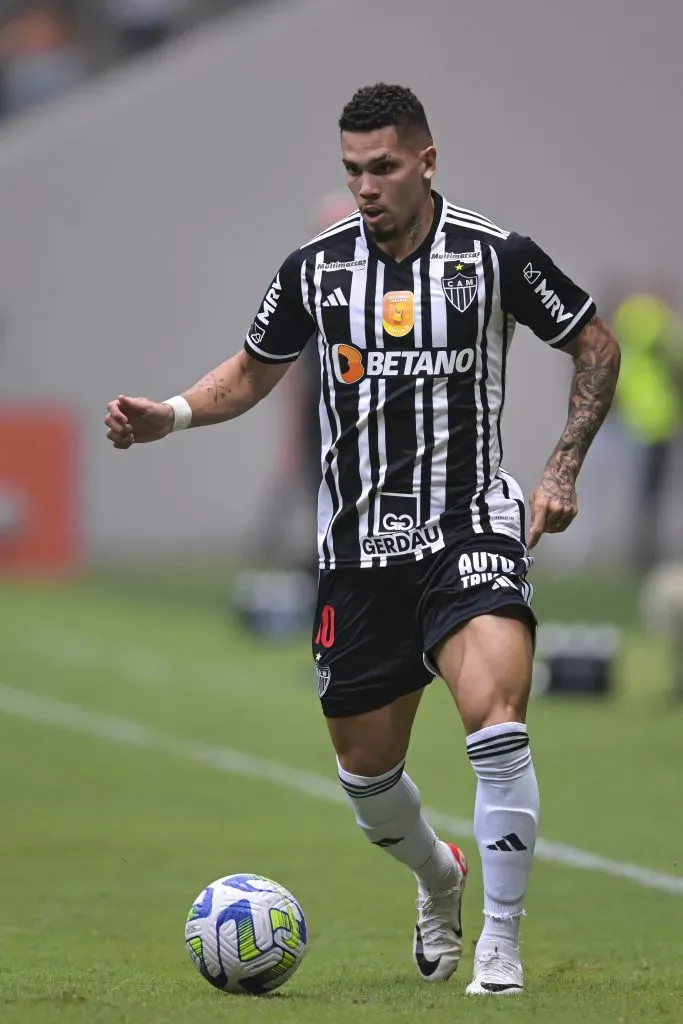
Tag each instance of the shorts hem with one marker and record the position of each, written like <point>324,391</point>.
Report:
<point>519,610</point>
<point>372,701</point>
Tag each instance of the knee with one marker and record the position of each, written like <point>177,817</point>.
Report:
<point>367,763</point>
<point>374,743</point>
<point>496,711</point>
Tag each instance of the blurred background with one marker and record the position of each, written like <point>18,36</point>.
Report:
<point>158,160</point>
<point>159,157</point>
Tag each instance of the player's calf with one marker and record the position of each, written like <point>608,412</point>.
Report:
<point>388,811</point>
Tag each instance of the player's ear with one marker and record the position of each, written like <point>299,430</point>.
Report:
<point>428,159</point>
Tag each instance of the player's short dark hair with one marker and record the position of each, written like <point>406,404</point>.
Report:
<point>384,106</point>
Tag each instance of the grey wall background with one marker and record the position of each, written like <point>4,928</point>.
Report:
<point>132,216</point>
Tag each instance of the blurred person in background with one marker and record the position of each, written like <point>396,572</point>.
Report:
<point>649,400</point>
<point>143,25</point>
<point>41,56</point>
<point>424,548</point>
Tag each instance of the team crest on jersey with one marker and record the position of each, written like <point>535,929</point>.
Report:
<point>460,291</point>
<point>399,313</point>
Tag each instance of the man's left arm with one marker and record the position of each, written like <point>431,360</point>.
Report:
<point>536,292</point>
<point>596,356</point>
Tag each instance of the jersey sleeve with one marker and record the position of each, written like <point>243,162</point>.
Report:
<point>283,325</point>
<point>539,295</point>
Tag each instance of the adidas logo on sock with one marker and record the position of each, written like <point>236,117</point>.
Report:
<point>508,844</point>
<point>336,298</point>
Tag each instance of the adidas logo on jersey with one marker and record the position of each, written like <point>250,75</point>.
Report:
<point>335,298</point>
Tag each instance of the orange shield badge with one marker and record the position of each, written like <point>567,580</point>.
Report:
<point>399,313</point>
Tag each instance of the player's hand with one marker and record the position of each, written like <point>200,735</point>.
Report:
<point>137,421</point>
<point>553,504</point>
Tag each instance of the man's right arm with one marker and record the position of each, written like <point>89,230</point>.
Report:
<point>233,388</point>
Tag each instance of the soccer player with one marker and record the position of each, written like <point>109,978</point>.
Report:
<point>423,543</point>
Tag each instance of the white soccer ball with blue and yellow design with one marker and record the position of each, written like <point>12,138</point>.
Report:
<point>246,933</point>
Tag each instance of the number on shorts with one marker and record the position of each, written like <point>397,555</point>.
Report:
<point>325,635</point>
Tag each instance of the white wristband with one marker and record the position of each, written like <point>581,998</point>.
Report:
<point>183,412</point>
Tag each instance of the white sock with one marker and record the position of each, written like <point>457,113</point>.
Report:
<point>505,825</point>
<point>389,811</point>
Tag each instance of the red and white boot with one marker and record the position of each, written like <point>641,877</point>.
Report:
<point>437,944</point>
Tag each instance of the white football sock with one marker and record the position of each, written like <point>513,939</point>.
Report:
<point>505,825</point>
<point>389,811</point>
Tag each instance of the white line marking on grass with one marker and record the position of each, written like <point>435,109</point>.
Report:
<point>60,715</point>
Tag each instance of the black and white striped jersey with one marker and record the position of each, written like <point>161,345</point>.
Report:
<point>412,358</point>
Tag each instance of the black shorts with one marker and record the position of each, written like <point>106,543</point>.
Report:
<point>376,629</point>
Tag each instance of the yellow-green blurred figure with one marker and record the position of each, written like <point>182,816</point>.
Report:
<point>650,401</point>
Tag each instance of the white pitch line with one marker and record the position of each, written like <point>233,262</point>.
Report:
<point>60,715</point>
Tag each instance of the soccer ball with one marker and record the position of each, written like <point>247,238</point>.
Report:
<point>245,933</point>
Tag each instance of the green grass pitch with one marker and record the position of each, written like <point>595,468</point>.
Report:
<point>105,840</point>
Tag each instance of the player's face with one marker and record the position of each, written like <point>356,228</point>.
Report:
<point>389,178</point>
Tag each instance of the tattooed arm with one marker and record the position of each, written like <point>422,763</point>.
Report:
<point>231,389</point>
<point>596,356</point>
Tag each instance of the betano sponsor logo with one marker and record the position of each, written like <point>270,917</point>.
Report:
<point>351,364</point>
